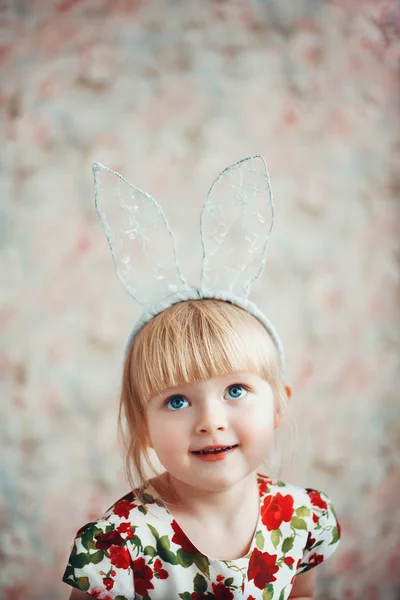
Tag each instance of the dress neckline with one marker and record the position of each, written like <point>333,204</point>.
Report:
<point>260,479</point>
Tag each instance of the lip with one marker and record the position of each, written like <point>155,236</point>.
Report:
<point>214,456</point>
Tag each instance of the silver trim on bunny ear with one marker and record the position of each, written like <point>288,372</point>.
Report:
<point>237,214</point>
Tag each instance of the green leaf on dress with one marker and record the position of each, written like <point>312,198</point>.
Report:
<point>87,538</point>
<point>185,560</point>
<point>97,557</point>
<point>136,541</point>
<point>202,564</point>
<point>164,552</point>
<point>164,541</point>
<point>268,592</point>
<point>89,545</point>
<point>298,523</point>
<point>303,511</point>
<point>276,535</point>
<point>150,551</point>
<point>287,544</point>
<point>185,596</point>
<point>69,573</point>
<point>335,536</point>
<point>199,584</point>
<point>146,498</point>
<point>83,583</point>
<point>282,594</point>
<point>260,541</point>
<point>153,531</point>
<point>228,582</point>
<point>80,560</point>
<point>119,597</point>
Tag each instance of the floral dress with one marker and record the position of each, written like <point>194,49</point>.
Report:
<point>138,551</point>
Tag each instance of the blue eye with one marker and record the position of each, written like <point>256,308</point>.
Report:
<point>177,402</point>
<point>236,391</point>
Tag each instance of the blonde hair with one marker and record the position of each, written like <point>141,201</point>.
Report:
<point>188,342</point>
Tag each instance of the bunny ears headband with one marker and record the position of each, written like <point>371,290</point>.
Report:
<point>235,224</point>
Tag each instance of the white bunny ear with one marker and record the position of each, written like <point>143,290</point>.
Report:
<point>139,236</point>
<point>236,222</point>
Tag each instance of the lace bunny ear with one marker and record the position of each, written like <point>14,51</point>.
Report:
<point>139,237</point>
<point>235,224</point>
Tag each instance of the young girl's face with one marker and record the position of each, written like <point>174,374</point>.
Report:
<point>213,433</point>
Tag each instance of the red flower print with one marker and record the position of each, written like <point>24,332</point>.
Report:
<point>316,499</point>
<point>123,508</point>
<point>263,486</point>
<point>108,583</point>
<point>197,596</point>
<point>262,568</point>
<point>315,518</point>
<point>220,578</point>
<point>315,559</point>
<point>251,598</point>
<point>180,538</point>
<point>125,528</point>
<point>100,593</point>
<point>113,573</point>
<point>120,557</point>
<point>159,572</point>
<point>222,592</point>
<point>288,561</point>
<point>310,541</point>
<point>276,509</point>
<point>142,575</point>
<point>106,540</point>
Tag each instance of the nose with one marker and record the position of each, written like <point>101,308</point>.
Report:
<point>211,418</point>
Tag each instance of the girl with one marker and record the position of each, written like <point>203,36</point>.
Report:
<point>203,391</point>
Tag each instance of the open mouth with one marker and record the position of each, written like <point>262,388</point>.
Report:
<point>216,450</point>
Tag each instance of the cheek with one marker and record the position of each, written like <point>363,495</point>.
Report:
<point>165,432</point>
<point>258,423</point>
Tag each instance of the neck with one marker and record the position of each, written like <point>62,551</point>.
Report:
<point>222,504</point>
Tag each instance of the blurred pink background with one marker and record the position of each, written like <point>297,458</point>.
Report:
<point>169,93</point>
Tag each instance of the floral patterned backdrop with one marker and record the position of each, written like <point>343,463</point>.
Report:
<point>169,92</point>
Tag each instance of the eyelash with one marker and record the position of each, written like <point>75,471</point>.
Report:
<point>242,385</point>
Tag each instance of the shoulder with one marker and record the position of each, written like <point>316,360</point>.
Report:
<point>308,497</point>
<point>101,558</point>
<point>133,504</point>
<point>302,517</point>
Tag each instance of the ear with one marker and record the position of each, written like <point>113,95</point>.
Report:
<point>288,390</point>
<point>278,414</point>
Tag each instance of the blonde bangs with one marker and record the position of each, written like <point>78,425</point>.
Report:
<point>195,340</point>
<point>190,341</point>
